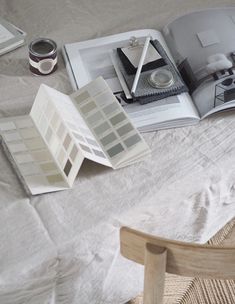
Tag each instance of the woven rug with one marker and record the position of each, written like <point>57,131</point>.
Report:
<point>182,290</point>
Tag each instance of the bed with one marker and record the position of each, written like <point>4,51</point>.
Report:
<point>53,247</point>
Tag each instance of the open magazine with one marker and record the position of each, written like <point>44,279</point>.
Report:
<point>11,37</point>
<point>200,45</point>
<point>48,146</point>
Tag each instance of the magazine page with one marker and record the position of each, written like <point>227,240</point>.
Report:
<point>203,46</point>
<point>174,111</point>
<point>92,58</point>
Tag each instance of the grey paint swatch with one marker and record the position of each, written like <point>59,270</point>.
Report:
<point>85,148</point>
<point>117,119</point>
<point>88,107</point>
<point>102,128</point>
<point>67,167</point>
<point>125,129</point>
<point>92,142</point>
<point>73,153</point>
<point>95,118</point>
<point>82,97</point>
<point>99,153</point>
<point>108,139</point>
<point>115,150</point>
<point>134,139</point>
<point>110,108</point>
<point>55,178</point>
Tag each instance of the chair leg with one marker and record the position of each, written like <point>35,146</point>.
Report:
<point>154,276</point>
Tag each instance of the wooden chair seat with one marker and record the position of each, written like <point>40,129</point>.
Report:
<point>160,255</point>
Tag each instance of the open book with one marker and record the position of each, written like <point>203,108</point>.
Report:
<point>11,37</point>
<point>201,45</point>
<point>48,146</point>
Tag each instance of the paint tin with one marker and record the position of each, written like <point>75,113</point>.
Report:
<point>42,56</point>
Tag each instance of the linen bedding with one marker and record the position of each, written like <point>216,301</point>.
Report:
<point>64,247</point>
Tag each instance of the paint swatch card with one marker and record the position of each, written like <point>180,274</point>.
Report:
<point>48,146</point>
<point>116,136</point>
<point>30,156</point>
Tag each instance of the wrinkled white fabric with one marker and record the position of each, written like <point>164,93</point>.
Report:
<point>63,247</point>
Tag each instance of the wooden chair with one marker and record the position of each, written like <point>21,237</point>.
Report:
<point>160,255</point>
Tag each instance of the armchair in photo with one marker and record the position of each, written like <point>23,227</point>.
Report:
<point>219,63</point>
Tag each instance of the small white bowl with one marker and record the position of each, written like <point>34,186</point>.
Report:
<point>161,78</point>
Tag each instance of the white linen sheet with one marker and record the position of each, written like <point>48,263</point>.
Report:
<point>63,248</point>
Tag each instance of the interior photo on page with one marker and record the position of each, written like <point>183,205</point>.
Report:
<point>203,46</point>
<point>197,54</point>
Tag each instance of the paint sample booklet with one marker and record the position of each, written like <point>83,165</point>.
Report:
<point>197,48</point>
<point>11,37</point>
<point>48,146</point>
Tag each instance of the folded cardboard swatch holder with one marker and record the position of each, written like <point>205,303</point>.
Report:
<point>48,146</point>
